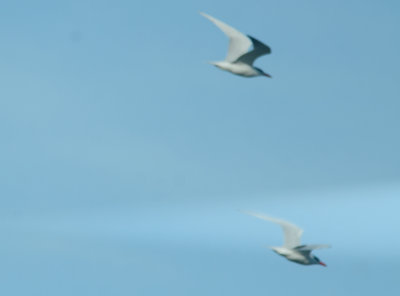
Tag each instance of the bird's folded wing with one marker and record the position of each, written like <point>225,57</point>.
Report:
<point>259,49</point>
<point>292,232</point>
<point>239,43</point>
<point>311,247</point>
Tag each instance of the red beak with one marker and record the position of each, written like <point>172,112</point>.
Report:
<point>322,263</point>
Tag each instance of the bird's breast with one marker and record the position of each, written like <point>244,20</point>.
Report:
<point>241,69</point>
<point>291,255</point>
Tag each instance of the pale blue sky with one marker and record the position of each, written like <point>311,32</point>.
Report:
<point>126,157</point>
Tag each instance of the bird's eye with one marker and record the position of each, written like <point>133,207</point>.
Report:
<point>316,258</point>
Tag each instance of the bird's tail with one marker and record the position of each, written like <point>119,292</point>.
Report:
<point>269,247</point>
<point>213,63</point>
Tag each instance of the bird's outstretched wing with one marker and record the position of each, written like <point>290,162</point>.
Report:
<point>239,43</point>
<point>259,49</point>
<point>292,232</point>
<point>311,247</point>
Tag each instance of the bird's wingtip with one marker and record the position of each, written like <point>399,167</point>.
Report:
<point>243,211</point>
<point>207,16</point>
<point>251,213</point>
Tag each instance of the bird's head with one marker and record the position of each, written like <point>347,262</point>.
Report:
<point>317,261</point>
<point>262,73</point>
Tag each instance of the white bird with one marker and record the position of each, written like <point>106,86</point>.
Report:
<point>292,249</point>
<point>239,60</point>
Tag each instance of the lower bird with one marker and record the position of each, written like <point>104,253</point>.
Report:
<point>292,249</point>
<point>239,59</point>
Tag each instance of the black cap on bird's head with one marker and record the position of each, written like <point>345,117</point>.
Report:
<point>261,72</point>
<point>319,261</point>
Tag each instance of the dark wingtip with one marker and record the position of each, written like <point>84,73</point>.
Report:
<point>256,41</point>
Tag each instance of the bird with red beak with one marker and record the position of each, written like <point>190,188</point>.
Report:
<point>292,250</point>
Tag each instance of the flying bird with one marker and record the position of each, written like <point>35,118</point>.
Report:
<point>239,59</point>
<point>292,249</point>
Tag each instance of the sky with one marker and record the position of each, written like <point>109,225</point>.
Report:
<point>126,157</point>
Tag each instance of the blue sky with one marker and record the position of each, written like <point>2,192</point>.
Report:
<point>126,157</point>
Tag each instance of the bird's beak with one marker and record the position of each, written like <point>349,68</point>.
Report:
<point>269,76</point>
<point>322,263</point>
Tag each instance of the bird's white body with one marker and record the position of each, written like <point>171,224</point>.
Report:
<point>241,69</point>
<point>239,60</point>
<point>292,249</point>
<point>295,256</point>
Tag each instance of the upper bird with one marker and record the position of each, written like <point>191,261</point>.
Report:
<point>239,59</point>
<point>292,249</point>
